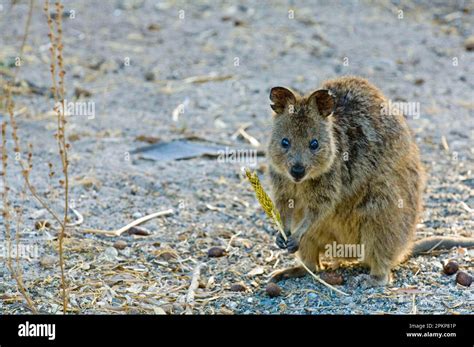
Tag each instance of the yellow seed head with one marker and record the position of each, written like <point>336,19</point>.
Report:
<point>263,198</point>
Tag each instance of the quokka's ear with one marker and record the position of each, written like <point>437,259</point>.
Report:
<point>324,102</point>
<point>281,98</point>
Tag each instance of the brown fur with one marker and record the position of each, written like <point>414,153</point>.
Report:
<point>364,183</point>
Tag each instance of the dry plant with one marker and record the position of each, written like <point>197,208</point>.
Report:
<point>14,270</point>
<point>14,267</point>
<point>271,211</point>
<point>58,92</point>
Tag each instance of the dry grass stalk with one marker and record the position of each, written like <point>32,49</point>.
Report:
<point>272,212</point>
<point>264,199</point>
<point>16,272</point>
<point>58,90</point>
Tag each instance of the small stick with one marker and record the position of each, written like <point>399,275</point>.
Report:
<point>237,133</point>
<point>229,245</point>
<point>252,140</point>
<point>80,218</point>
<point>136,222</point>
<point>414,310</point>
<point>444,142</point>
<point>207,78</point>
<point>466,207</point>
<point>194,284</point>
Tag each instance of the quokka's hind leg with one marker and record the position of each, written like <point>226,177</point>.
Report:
<point>387,225</point>
<point>379,253</point>
<point>384,243</point>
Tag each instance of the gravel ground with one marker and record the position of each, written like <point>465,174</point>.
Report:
<point>139,61</point>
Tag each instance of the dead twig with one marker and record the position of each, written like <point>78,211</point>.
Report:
<point>229,245</point>
<point>414,309</point>
<point>252,140</point>
<point>444,143</point>
<point>242,132</point>
<point>136,222</point>
<point>80,218</point>
<point>207,78</point>
<point>193,286</point>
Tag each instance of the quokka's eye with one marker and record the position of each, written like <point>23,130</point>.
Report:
<point>313,144</point>
<point>285,143</point>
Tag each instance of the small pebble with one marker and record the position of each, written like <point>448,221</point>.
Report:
<point>120,244</point>
<point>273,290</point>
<point>464,279</point>
<point>110,253</point>
<point>216,252</point>
<point>167,255</point>
<point>450,268</point>
<point>419,81</point>
<point>150,76</point>
<point>81,92</point>
<point>469,43</point>
<point>237,287</point>
<point>137,215</point>
<point>139,231</point>
<point>332,278</point>
<point>47,261</point>
<point>154,27</point>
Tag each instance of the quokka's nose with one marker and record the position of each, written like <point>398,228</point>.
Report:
<point>297,171</point>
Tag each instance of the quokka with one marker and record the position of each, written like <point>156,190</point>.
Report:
<point>343,171</point>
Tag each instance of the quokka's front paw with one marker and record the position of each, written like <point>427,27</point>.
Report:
<point>292,244</point>
<point>280,241</point>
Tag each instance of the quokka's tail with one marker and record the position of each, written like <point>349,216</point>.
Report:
<point>440,242</point>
